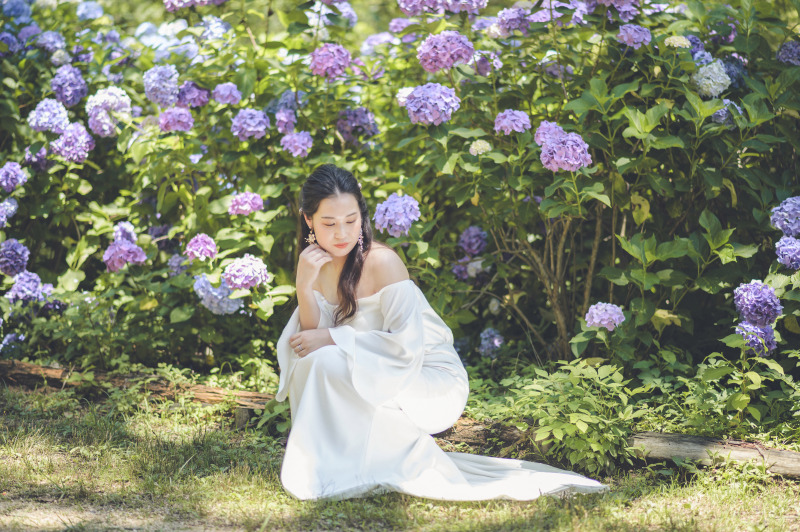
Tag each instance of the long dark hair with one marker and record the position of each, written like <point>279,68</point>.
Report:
<point>325,181</point>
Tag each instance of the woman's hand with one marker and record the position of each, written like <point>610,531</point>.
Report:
<point>306,342</point>
<point>311,260</point>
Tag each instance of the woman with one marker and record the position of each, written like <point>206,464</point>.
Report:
<point>371,372</point>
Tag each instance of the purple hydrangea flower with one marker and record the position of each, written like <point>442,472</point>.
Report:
<point>125,231</point>
<point>245,203</point>
<point>13,44</point>
<point>175,5</point>
<point>175,265</point>
<point>444,50</point>
<point>51,41</point>
<point>26,33</point>
<point>49,115</point>
<point>473,240</point>
<point>626,9</point>
<point>491,340</point>
<point>431,103</point>
<point>547,131</point>
<point>605,315</point>
<point>486,61</point>
<point>191,94</point>
<point>11,176</point>
<point>633,35</point>
<point>396,214</point>
<point>697,44</point>
<point>786,216</point>
<point>37,161</point>
<point>298,144</point>
<point>513,18</point>
<point>511,120</point>
<point>285,120</point>
<point>217,300</point>
<point>723,116</point>
<point>459,269</point>
<point>330,60</point>
<point>565,152</point>
<point>161,85</point>
<point>227,93</point>
<point>8,208</point>
<point>355,124</point>
<point>760,340</point>
<point>287,100</point>
<point>757,303</point>
<point>412,8</point>
<point>788,250</point>
<point>13,257</point>
<point>472,7</point>
<point>246,272</point>
<point>27,287</point>
<point>74,144</point>
<point>789,53</point>
<point>176,119</point>
<point>250,123</point>
<point>121,252</point>
<point>201,247</point>
<point>102,107</point>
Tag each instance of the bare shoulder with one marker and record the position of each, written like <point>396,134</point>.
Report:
<point>384,266</point>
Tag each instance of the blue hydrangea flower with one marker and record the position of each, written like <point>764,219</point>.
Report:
<point>18,10</point>
<point>51,41</point>
<point>8,208</point>
<point>125,231</point>
<point>161,85</point>
<point>788,250</point>
<point>723,116</point>
<point>786,216</point>
<point>13,257</point>
<point>216,300</point>
<point>13,44</point>
<point>396,214</point>
<point>215,28</point>
<point>789,53</point>
<point>11,347</point>
<point>68,85</point>
<point>175,264</point>
<point>11,176</point>
<point>760,340</point>
<point>757,303</point>
<point>89,11</point>
<point>491,340</point>
<point>38,161</point>
<point>473,240</point>
<point>246,272</point>
<point>74,144</point>
<point>27,287</point>
<point>605,315</point>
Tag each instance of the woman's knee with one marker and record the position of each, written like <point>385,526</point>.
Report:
<point>329,361</point>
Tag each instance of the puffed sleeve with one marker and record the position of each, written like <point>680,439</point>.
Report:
<point>384,362</point>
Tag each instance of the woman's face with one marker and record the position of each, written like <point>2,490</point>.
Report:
<point>337,224</point>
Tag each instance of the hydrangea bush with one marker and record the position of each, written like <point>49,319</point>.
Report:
<point>633,153</point>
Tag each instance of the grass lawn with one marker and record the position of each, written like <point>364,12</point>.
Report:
<point>72,464</point>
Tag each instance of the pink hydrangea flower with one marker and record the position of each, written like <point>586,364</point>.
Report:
<point>245,203</point>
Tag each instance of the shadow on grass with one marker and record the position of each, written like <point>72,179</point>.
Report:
<point>192,472</point>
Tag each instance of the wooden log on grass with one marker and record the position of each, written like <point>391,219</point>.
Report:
<point>16,373</point>
<point>709,451</point>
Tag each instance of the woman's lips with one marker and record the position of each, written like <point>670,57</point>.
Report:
<point>340,245</point>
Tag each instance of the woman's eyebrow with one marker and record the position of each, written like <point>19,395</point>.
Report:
<point>333,217</point>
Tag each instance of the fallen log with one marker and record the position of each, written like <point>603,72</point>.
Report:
<point>16,373</point>
<point>709,451</point>
<point>647,445</point>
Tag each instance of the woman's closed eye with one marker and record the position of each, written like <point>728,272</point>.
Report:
<point>331,225</point>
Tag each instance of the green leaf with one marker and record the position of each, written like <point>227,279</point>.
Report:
<point>713,374</point>
<point>180,314</point>
<point>468,133</point>
<point>739,401</point>
<point>771,364</point>
<point>710,223</point>
<point>70,280</point>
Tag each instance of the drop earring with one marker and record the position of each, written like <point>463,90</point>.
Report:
<point>311,238</point>
<point>361,241</point>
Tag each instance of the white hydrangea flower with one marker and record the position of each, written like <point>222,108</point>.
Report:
<point>711,79</point>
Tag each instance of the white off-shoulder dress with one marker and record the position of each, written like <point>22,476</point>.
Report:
<point>363,411</point>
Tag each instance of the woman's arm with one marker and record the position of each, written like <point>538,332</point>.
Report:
<point>309,309</point>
